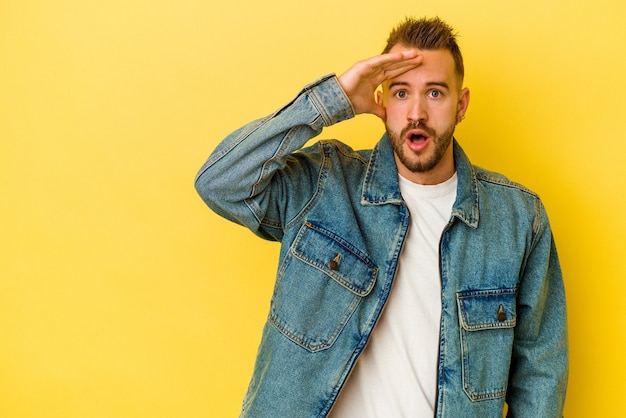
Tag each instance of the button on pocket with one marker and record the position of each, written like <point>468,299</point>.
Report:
<point>487,319</point>
<point>320,283</point>
<point>334,263</point>
<point>501,314</point>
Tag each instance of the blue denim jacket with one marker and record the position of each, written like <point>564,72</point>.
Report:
<point>342,222</point>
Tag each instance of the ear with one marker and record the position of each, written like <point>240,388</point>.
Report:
<point>381,104</point>
<point>464,99</point>
<point>379,97</point>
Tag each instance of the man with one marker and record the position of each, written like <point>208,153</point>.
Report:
<point>410,282</point>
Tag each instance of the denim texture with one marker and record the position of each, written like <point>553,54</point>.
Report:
<point>341,221</point>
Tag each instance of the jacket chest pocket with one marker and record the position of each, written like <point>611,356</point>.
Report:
<point>487,320</point>
<point>320,283</point>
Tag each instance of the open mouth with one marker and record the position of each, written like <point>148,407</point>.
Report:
<point>417,139</point>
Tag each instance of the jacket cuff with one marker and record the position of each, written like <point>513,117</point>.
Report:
<point>329,99</point>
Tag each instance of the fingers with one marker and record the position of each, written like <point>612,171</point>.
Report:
<point>392,59</point>
<point>371,72</point>
<point>398,67</point>
<point>388,66</point>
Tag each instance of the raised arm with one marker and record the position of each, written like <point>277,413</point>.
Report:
<point>239,181</point>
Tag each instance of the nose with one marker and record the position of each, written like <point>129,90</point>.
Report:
<point>417,110</point>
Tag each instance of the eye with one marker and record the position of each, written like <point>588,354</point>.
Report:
<point>401,94</point>
<point>435,94</point>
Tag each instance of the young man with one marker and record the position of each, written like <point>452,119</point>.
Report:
<point>410,282</point>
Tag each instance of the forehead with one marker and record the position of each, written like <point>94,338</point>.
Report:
<point>437,66</point>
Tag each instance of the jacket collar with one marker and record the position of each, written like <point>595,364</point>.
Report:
<point>380,185</point>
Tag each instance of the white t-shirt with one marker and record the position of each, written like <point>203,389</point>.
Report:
<point>396,375</point>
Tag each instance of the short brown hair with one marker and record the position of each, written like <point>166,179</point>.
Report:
<point>427,34</point>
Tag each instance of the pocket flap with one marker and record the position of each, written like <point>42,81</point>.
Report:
<point>335,257</point>
<point>485,309</point>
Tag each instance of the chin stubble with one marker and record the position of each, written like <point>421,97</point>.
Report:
<point>424,162</point>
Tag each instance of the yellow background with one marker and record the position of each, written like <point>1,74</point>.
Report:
<point>121,295</point>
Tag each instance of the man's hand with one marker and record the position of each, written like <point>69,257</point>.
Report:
<point>363,78</point>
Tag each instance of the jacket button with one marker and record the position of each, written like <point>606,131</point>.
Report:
<point>334,263</point>
<point>501,314</point>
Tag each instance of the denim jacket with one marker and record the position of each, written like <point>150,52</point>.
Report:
<point>342,222</point>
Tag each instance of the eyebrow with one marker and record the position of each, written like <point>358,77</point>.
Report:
<point>429,84</point>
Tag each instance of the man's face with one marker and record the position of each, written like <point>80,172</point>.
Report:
<point>423,107</point>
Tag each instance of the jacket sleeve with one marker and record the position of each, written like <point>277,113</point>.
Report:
<point>539,367</point>
<point>255,178</point>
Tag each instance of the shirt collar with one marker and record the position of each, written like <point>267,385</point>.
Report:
<point>380,185</point>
